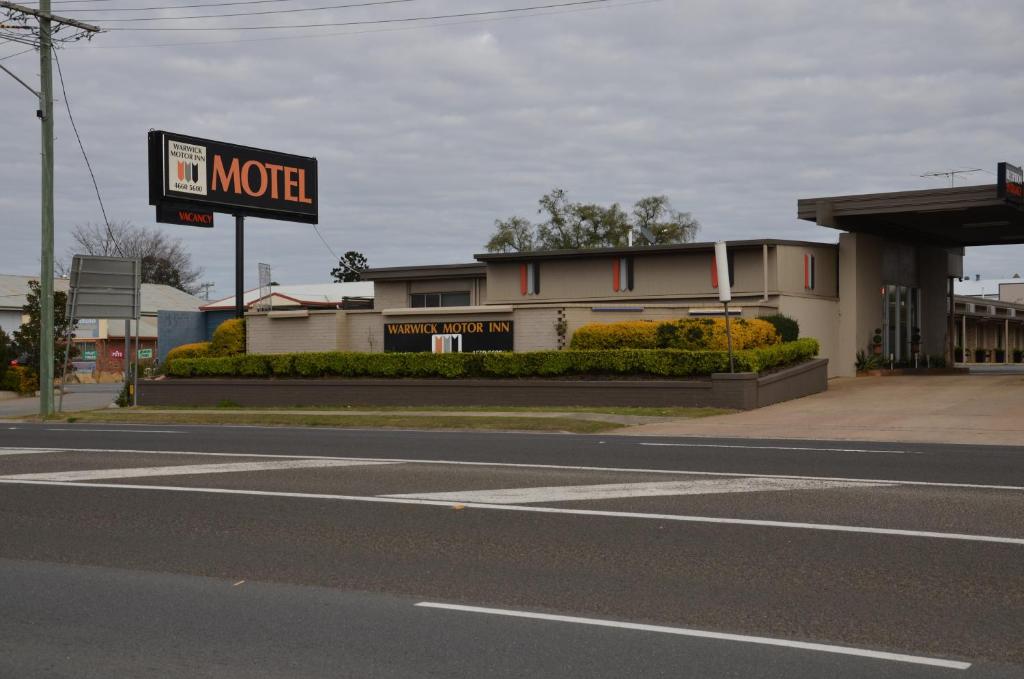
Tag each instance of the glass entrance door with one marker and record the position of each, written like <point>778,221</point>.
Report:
<point>901,319</point>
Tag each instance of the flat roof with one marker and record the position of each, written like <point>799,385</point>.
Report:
<point>401,273</point>
<point>962,216</point>
<point>642,250</point>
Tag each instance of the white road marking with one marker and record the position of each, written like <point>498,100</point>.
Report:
<point>184,470</point>
<point>608,491</point>
<point>565,467</point>
<point>28,451</point>
<point>539,510</point>
<point>827,450</point>
<point>703,634</point>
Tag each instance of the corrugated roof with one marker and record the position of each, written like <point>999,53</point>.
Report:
<point>14,292</point>
<point>315,294</point>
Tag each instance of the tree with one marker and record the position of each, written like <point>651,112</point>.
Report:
<point>655,215</point>
<point>514,234</point>
<point>571,226</point>
<point>26,338</point>
<point>350,267</point>
<point>165,260</point>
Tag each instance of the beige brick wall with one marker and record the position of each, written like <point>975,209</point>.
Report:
<point>362,331</point>
<point>535,329</point>
<point>268,335</point>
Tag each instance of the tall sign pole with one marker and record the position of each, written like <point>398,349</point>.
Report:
<point>239,266</point>
<point>46,259</point>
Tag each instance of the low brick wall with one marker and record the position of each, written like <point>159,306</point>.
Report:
<point>742,391</point>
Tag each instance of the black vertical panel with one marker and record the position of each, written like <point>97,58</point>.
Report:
<point>536,278</point>
<point>629,273</point>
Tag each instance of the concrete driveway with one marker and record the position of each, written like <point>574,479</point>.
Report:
<point>77,397</point>
<point>976,408</point>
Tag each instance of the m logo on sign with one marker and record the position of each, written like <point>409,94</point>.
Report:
<point>186,167</point>
<point>446,344</point>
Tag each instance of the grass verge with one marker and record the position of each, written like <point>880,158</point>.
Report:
<point>304,419</point>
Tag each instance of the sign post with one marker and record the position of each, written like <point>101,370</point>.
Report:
<point>725,293</point>
<point>105,287</point>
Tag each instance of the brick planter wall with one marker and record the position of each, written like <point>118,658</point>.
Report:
<point>742,391</point>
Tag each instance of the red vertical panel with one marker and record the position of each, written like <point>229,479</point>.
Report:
<point>616,277</point>
<point>714,271</point>
<point>522,279</point>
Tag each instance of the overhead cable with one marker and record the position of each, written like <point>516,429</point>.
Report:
<point>272,27</point>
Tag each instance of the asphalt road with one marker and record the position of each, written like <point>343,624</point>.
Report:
<point>305,553</point>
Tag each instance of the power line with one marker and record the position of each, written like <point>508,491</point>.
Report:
<point>326,244</point>
<point>67,104</point>
<point>441,24</point>
<point>491,12</point>
<point>265,12</point>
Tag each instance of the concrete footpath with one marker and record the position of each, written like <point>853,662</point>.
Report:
<point>977,408</point>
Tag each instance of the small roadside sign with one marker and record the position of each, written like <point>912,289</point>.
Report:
<point>145,353</point>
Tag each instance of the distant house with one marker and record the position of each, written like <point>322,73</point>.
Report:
<point>100,341</point>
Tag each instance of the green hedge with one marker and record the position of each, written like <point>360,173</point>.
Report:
<point>658,362</point>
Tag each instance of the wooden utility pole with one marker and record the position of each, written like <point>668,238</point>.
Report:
<point>45,113</point>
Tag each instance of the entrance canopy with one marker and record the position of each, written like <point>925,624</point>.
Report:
<point>957,217</point>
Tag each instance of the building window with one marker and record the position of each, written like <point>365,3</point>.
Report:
<point>529,278</point>
<point>422,300</point>
<point>808,271</point>
<point>622,274</point>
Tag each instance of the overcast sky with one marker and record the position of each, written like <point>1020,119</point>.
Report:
<point>426,134</point>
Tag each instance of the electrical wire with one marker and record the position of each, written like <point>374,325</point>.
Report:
<point>261,13</point>
<point>491,12</point>
<point>11,56</point>
<point>326,244</point>
<point>67,104</point>
<point>146,9</point>
<point>313,36</point>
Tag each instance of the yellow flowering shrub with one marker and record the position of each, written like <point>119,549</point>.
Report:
<point>624,335</point>
<point>694,334</point>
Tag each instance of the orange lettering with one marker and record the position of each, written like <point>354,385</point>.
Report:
<point>246,175</point>
<point>289,183</point>
<point>274,169</point>
<point>225,179</point>
<point>302,188</point>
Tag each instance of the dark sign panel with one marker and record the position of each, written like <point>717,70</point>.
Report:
<point>213,175</point>
<point>184,216</point>
<point>448,336</point>
<point>1010,183</point>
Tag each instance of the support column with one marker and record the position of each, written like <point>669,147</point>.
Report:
<point>239,266</point>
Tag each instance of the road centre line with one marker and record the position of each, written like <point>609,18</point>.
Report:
<point>609,491</point>
<point>538,510</point>
<point>185,470</point>
<point>703,634</point>
<point>564,467</point>
<point>827,450</point>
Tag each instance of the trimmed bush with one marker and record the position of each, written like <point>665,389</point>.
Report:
<point>625,335</point>
<point>787,328</point>
<point>229,338</point>
<point>691,334</point>
<point>654,362</point>
<point>194,350</point>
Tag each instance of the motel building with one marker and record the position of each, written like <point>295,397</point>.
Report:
<point>889,277</point>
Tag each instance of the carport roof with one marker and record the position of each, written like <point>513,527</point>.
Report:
<point>956,217</point>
